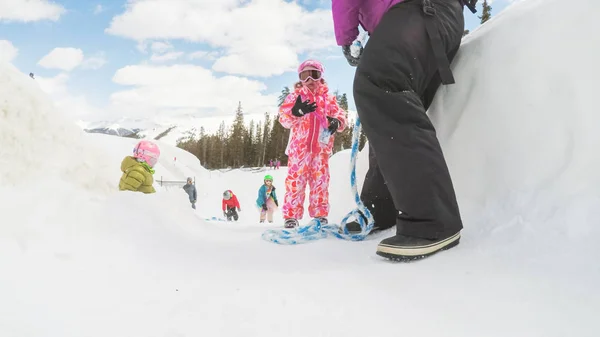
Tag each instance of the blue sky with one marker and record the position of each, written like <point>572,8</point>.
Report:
<point>134,54</point>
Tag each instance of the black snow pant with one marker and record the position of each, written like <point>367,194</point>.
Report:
<point>408,182</point>
<point>231,213</point>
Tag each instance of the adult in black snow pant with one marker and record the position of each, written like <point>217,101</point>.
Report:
<point>401,67</point>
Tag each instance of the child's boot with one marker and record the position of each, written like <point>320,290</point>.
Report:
<point>291,223</point>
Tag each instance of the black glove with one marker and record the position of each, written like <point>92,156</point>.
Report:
<point>301,108</point>
<point>334,124</point>
<point>276,203</point>
<point>264,206</point>
<point>352,61</point>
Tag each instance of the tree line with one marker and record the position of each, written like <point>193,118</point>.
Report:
<point>486,14</point>
<point>255,143</point>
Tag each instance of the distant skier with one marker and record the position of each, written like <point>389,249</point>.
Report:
<point>190,189</point>
<point>313,116</point>
<point>230,204</point>
<point>267,199</point>
<point>139,168</point>
<point>407,57</point>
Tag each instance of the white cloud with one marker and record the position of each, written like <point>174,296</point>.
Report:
<point>62,58</point>
<point>160,47</point>
<point>30,10</point>
<point>163,51</point>
<point>186,89</point>
<point>75,106</point>
<point>142,46</point>
<point>94,62</point>
<point>8,52</point>
<point>166,57</point>
<point>98,9</point>
<point>238,27</point>
<point>268,60</point>
<point>67,59</point>
<point>201,54</point>
<point>56,85</point>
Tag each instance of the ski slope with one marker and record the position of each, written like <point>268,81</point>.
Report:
<point>79,258</point>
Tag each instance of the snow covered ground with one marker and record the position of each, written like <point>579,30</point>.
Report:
<point>78,258</point>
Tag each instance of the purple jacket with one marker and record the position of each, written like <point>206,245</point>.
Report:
<point>348,14</point>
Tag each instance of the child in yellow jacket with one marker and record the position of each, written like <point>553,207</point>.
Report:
<point>139,168</point>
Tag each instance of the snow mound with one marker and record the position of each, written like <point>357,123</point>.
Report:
<point>519,128</point>
<point>36,143</point>
<point>174,164</point>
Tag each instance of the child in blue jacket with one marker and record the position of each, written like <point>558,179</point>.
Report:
<point>267,200</point>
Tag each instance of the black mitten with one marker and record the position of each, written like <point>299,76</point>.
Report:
<point>302,108</point>
<point>353,61</point>
<point>334,124</point>
<point>264,206</point>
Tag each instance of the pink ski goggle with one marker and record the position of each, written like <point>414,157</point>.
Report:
<point>315,75</point>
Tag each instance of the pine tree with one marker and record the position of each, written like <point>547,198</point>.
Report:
<point>236,148</point>
<point>239,145</point>
<point>260,145</point>
<point>342,139</point>
<point>279,135</point>
<point>266,138</point>
<point>220,144</point>
<point>486,13</point>
<point>343,102</point>
<point>362,140</point>
<point>249,145</point>
<point>284,93</point>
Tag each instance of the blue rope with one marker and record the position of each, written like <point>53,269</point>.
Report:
<point>214,218</point>
<point>315,230</point>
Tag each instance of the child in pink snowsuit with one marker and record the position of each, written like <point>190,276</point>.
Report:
<point>313,116</point>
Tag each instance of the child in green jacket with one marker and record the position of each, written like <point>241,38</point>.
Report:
<point>139,168</point>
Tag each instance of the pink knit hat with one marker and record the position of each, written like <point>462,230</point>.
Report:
<point>311,65</point>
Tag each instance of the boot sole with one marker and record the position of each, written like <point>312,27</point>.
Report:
<point>407,254</point>
<point>375,230</point>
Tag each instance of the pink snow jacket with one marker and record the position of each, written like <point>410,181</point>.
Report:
<point>305,130</point>
<point>348,14</point>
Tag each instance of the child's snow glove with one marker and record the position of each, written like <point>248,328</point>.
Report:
<point>276,203</point>
<point>334,124</point>
<point>264,207</point>
<point>352,60</point>
<point>301,108</point>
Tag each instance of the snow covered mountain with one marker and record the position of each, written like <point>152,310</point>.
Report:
<point>168,129</point>
<point>115,130</point>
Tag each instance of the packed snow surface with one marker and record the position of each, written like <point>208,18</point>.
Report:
<point>519,130</point>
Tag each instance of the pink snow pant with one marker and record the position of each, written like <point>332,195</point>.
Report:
<point>268,214</point>
<point>312,169</point>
